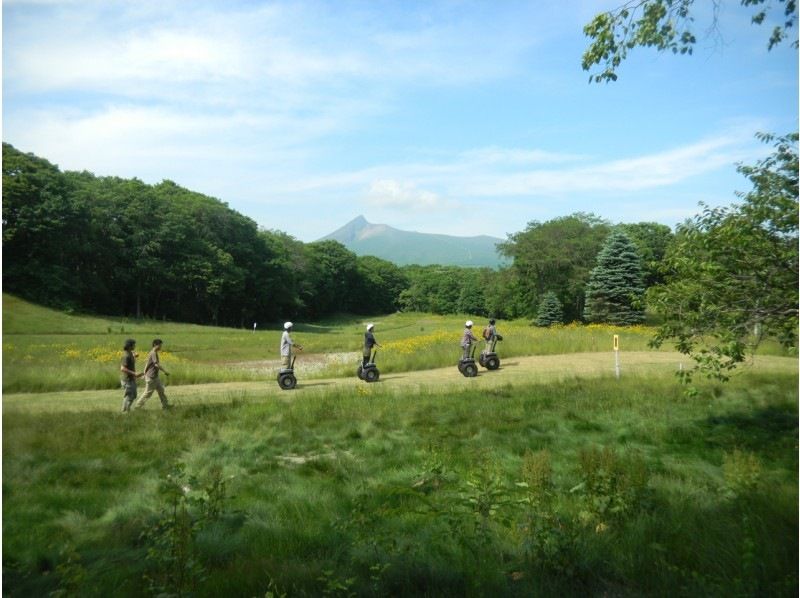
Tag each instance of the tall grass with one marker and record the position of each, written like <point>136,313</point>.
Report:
<point>590,487</point>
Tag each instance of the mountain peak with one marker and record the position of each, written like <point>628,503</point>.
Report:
<point>350,231</point>
<point>358,221</point>
<point>405,247</point>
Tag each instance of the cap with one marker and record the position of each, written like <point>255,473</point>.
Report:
<point>468,323</point>
<point>287,325</point>
<point>370,326</point>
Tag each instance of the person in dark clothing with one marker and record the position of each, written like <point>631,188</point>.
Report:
<point>490,334</point>
<point>369,343</point>
<point>128,375</point>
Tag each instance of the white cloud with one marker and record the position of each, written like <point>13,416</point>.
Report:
<point>517,156</point>
<point>660,169</point>
<point>388,193</point>
<point>120,47</point>
<point>523,172</point>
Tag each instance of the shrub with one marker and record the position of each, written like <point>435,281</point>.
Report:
<point>550,310</point>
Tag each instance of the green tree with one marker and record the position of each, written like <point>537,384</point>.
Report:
<point>550,311</point>
<point>667,26</point>
<point>472,298</point>
<point>43,231</point>
<point>651,240</point>
<point>380,283</point>
<point>446,289</point>
<point>291,285</point>
<point>615,291</point>
<point>501,293</point>
<point>334,274</point>
<point>733,271</point>
<point>434,289</point>
<point>556,256</point>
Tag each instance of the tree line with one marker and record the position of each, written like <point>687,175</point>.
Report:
<point>117,246</point>
<point>122,247</point>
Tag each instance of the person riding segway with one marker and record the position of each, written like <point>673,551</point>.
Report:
<point>466,365</point>
<point>286,378</point>
<point>488,358</point>
<point>368,371</point>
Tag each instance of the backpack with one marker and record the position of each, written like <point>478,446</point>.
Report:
<point>487,333</point>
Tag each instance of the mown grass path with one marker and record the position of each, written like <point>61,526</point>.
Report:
<point>513,371</point>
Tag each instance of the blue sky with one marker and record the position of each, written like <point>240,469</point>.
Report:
<point>448,117</point>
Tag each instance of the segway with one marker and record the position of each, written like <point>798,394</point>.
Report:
<point>369,372</point>
<point>286,379</point>
<point>466,365</point>
<point>489,359</point>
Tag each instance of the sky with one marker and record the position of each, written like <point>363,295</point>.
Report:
<point>453,117</point>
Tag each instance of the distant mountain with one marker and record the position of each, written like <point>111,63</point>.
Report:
<point>406,247</point>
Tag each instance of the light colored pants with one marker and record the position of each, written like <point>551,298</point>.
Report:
<point>128,393</point>
<point>466,351</point>
<point>286,361</point>
<point>152,385</point>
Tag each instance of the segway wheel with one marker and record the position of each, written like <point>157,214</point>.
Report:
<point>360,373</point>
<point>287,381</point>
<point>492,363</point>
<point>482,359</point>
<point>460,367</point>
<point>371,375</point>
<point>470,370</point>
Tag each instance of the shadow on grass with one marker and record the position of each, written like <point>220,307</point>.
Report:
<point>768,430</point>
<point>396,376</point>
<point>311,384</point>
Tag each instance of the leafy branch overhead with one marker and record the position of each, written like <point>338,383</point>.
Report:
<point>666,25</point>
<point>733,271</point>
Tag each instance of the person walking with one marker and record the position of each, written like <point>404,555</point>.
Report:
<point>287,345</point>
<point>128,375</point>
<point>369,343</point>
<point>151,379</point>
<point>467,338</point>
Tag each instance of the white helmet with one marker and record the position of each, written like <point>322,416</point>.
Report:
<point>370,326</point>
<point>468,324</point>
<point>287,325</point>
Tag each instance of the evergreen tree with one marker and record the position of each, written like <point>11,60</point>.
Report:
<point>615,290</point>
<point>550,310</point>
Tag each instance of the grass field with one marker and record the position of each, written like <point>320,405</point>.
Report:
<point>45,350</point>
<point>548,477</point>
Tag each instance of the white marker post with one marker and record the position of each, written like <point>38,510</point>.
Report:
<point>254,327</point>
<point>616,354</point>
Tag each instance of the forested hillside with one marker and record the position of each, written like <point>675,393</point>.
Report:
<point>122,247</point>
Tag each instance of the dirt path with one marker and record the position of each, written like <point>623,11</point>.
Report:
<point>513,371</point>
